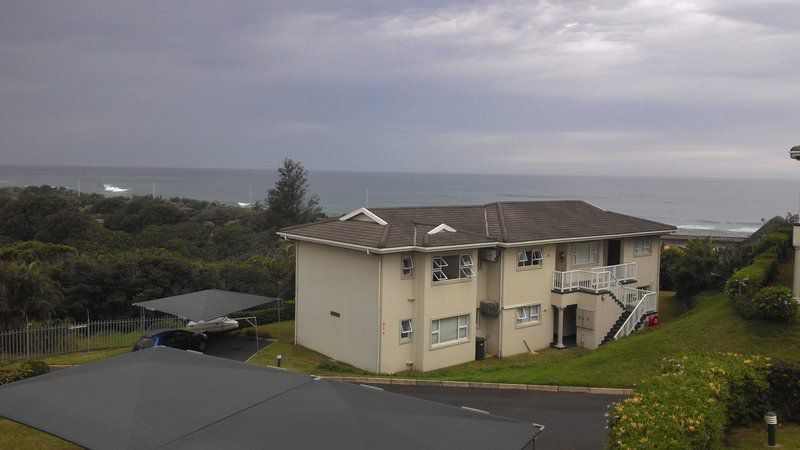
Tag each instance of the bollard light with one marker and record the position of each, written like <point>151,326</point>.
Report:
<point>771,419</point>
<point>279,359</point>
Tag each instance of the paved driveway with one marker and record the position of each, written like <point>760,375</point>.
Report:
<point>232,347</point>
<point>572,421</point>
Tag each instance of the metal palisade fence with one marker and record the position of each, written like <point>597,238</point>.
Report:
<point>38,341</point>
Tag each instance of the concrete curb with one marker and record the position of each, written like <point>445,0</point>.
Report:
<point>477,385</point>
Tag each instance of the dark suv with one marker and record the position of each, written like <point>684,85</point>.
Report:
<point>182,339</point>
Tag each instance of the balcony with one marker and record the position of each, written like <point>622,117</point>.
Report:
<point>596,280</point>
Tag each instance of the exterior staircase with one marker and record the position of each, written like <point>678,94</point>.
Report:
<point>636,304</point>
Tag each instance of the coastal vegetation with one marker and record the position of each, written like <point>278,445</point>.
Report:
<point>64,255</point>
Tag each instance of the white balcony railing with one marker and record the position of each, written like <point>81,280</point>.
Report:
<point>622,272</point>
<point>648,303</point>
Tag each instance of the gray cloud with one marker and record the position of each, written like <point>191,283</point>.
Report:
<point>640,87</point>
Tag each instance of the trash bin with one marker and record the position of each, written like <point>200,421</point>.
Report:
<point>480,348</point>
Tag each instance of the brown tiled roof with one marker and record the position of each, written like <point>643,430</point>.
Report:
<point>500,222</point>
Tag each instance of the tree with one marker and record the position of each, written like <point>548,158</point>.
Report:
<point>697,269</point>
<point>27,290</point>
<point>288,203</point>
<point>670,266</point>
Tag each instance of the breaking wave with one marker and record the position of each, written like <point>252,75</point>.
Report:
<point>112,188</point>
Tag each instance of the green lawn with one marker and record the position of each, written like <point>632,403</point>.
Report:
<point>788,436</point>
<point>712,325</point>
<point>16,436</point>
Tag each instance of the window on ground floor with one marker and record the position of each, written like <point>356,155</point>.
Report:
<point>450,329</point>
<point>406,330</point>
<point>528,314</point>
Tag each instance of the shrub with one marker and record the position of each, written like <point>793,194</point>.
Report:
<point>27,369</point>
<point>692,403</point>
<point>778,243</point>
<point>774,303</point>
<point>749,279</point>
<point>784,382</point>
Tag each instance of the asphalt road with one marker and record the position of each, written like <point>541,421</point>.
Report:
<point>572,421</point>
<point>229,346</point>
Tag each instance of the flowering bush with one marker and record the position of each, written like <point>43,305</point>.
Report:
<point>774,303</point>
<point>692,403</point>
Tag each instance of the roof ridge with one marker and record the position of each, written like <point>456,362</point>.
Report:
<point>385,236</point>
<point>502,219</point>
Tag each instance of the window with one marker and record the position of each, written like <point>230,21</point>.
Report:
<point>528,258</point>
<point>453,267</point>
<point>528,314</point>
<point>450,329</point>
<point>642,246</point>
<point>405,330</point>
<point>408,266</point>
<point>584,253</point>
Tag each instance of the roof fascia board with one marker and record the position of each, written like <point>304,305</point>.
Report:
<point>365,212</point>
<point>463,246</point>
<point>442,227</point>
<point>585,238</point>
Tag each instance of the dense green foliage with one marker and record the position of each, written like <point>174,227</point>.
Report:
<point>62,254</point>
<point>784,381</point>
<point>696,269</point>
<point>749,279</point>
<point>26,369</point>
<point>692,403</point>
<point>670,265</point>
<point>774,303</point>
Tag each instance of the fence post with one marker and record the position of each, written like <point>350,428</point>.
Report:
<point>88,333</point>
<point>27,340</point>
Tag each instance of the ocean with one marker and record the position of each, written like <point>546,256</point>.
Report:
<point>720,206</point>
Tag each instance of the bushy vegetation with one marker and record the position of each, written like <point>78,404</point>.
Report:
<point>774,303</point>
<point>26,369</point>
<point>692,403</point>
<point>784,381</point>
<point>748,280</point>
<point>62,254</point>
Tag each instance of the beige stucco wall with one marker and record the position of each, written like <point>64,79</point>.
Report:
<point>345,281</point>
<point>606,312</point>
<point>442,300</point>
<point>398,302</point>
<point>647,266</point>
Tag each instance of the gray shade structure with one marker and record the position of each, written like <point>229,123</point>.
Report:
<point>168,398</point>
<point>205,305</point>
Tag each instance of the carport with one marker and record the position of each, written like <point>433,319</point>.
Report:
<point>163,397</point>
<point>209,304</point>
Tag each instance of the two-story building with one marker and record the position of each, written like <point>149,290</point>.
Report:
<point>394,289</point>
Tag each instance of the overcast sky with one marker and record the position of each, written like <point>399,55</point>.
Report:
<point>585,87</point>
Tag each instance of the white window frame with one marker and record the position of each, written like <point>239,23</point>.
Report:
<point>529,258</point>
<point>409,333</point>
<point>643,246</point>
<point>462,330</point>
<point>591,253</point>
<point>408,270</point>
<point>526,316</point>
<point>465,267</point>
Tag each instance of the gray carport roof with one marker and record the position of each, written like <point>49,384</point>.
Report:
<point>163,397</point>
<point>205,305</point>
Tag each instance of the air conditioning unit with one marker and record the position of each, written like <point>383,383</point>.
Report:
<point>489,254</point>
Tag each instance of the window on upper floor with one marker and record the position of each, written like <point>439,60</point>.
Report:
<point>450,329</point>
<point>528,258</point>
<point>406,330</point>
<point>408,265</point>
<point>528,314</point>
<point>452,267</point>
<point>584,253</point>
<point>642,247</point>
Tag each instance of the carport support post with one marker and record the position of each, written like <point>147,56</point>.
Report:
<point>255,319</point>
<point>560,311</point>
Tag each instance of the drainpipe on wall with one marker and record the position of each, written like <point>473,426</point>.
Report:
<point>380,314</point>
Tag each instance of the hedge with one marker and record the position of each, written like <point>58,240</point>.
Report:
<point>775,303</point>
<point>692,403</point>
<point>749,279</point>
<point>778,243</point>
<point>27,369</point>
<point>784,382</point>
